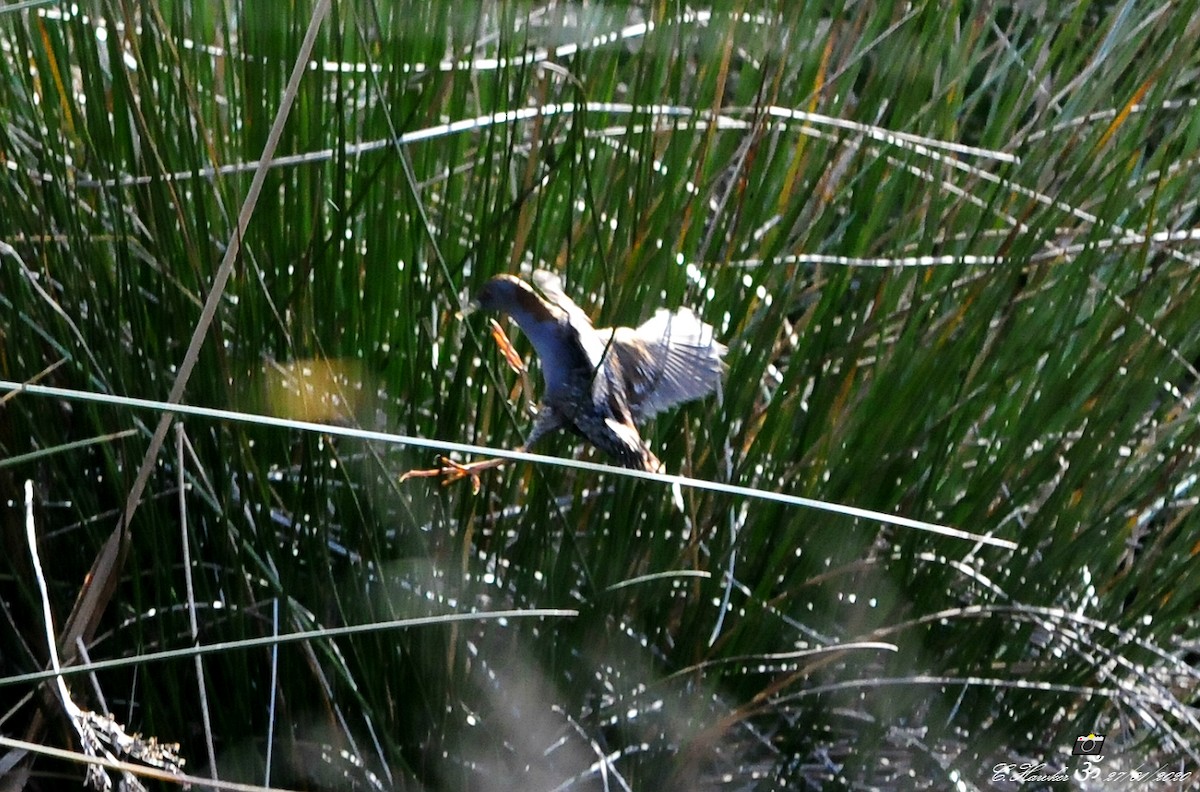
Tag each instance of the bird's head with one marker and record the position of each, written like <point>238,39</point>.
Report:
<point>499,293</point>
<point>512,296</point>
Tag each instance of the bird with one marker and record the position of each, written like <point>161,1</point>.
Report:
<point>600,383</point>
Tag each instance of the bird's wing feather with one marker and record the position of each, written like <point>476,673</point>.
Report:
<point>669,359</point>
<point>550,285</point>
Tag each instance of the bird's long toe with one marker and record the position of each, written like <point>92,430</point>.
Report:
<point>450,471</point>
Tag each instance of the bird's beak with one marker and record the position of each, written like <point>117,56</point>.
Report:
<point>467,306</point>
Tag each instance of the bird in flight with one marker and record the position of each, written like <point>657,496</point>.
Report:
<point>600,383</point>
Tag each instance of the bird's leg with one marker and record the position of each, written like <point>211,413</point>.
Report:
<point>511,357</point>
<point>506,348</point>
<point>547,421</point>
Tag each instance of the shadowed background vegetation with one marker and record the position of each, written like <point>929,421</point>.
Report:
<point>952,251</point>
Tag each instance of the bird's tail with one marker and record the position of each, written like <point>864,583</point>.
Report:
<point>631,450</point>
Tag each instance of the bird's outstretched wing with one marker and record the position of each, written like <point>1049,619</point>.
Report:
<point>669,359</point>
